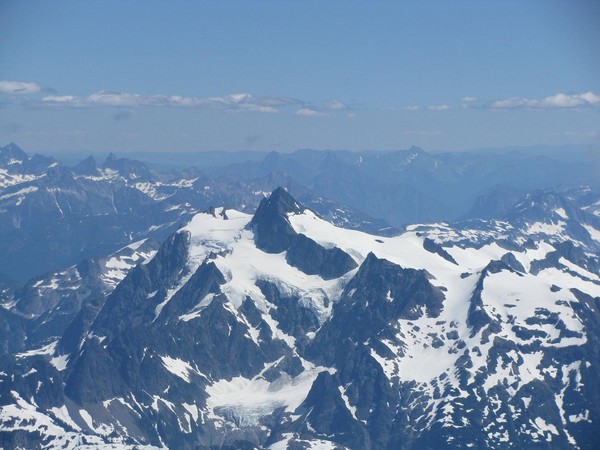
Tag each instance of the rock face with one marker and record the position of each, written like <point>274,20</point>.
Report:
<point>50,303</point>
<point>280,330</point>
<point>433,247</point>
<point>314,259</point>
<point>379,293</point>
<point>273,232</point>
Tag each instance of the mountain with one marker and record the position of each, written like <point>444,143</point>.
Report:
<point>53,216</point>
<point>555,215</point>
<point>16,167</point>
<point>495,203</point>
<point>49,303</point>
<point>280,330</point>
<point>414,186</point>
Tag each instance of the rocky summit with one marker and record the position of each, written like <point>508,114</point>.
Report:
<point>281,330</point>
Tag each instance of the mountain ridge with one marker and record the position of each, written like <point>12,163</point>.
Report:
<point>215,341</point>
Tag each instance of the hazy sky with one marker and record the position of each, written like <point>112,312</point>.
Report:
<point>281,75</point>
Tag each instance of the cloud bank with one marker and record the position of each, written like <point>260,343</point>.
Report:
<point>18,87</point>
<point>24,93</point>
<point>241,102</point>
<point>438,107</point>
<point>557,101</point>
<point>232,102</point>
<point>308,112</point>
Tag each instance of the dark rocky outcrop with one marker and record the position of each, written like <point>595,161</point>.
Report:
<point>314,259</point>
<point>433,247</point>
<point>273,232</point>
<point>511,261</point>
<point>378,294</point>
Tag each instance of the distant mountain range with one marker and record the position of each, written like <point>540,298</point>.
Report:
<point>410,186</point>
<point>52,216</point>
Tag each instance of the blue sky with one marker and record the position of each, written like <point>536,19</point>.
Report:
<point>282,75</point>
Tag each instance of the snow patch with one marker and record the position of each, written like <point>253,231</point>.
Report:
<point>180,368</point>
<point>250,399</point>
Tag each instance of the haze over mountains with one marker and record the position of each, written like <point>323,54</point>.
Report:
<point>53,215</point>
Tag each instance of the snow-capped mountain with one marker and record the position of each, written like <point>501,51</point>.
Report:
<point>47,305</point>
<point>53,216</point>
<point>553,215</point>
<point>280,330</point>
<point>17,168</point>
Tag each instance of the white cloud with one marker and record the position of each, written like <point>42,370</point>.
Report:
<point>259,108</point>
<point>102,98</point>
<point>320,109</point>
<point>308,112</point>
<point>591,98</point>
<point>438,107</point>
<point>557,101</point>
<point>119,99</point>
<point>334,105</point>
<point>231,102</point>
<point>513,102</point>
<point>59,99</point>
<point>18,87</point>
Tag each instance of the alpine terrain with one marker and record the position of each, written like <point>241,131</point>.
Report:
<point>281,330</point>
<point>53,215</point>
<point>284,225</point>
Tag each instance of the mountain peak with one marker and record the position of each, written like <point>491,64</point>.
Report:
<point>272,229</point>
<point>418,150</point>
<point>128,168</point>
<point>110,160</point>
<point>283,202</point>
<point>87,166</point>
<point>14,147</point>
<point>12,153</point>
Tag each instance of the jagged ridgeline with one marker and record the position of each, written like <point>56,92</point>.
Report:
<point>53,216</point>
<point>280,330</point>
